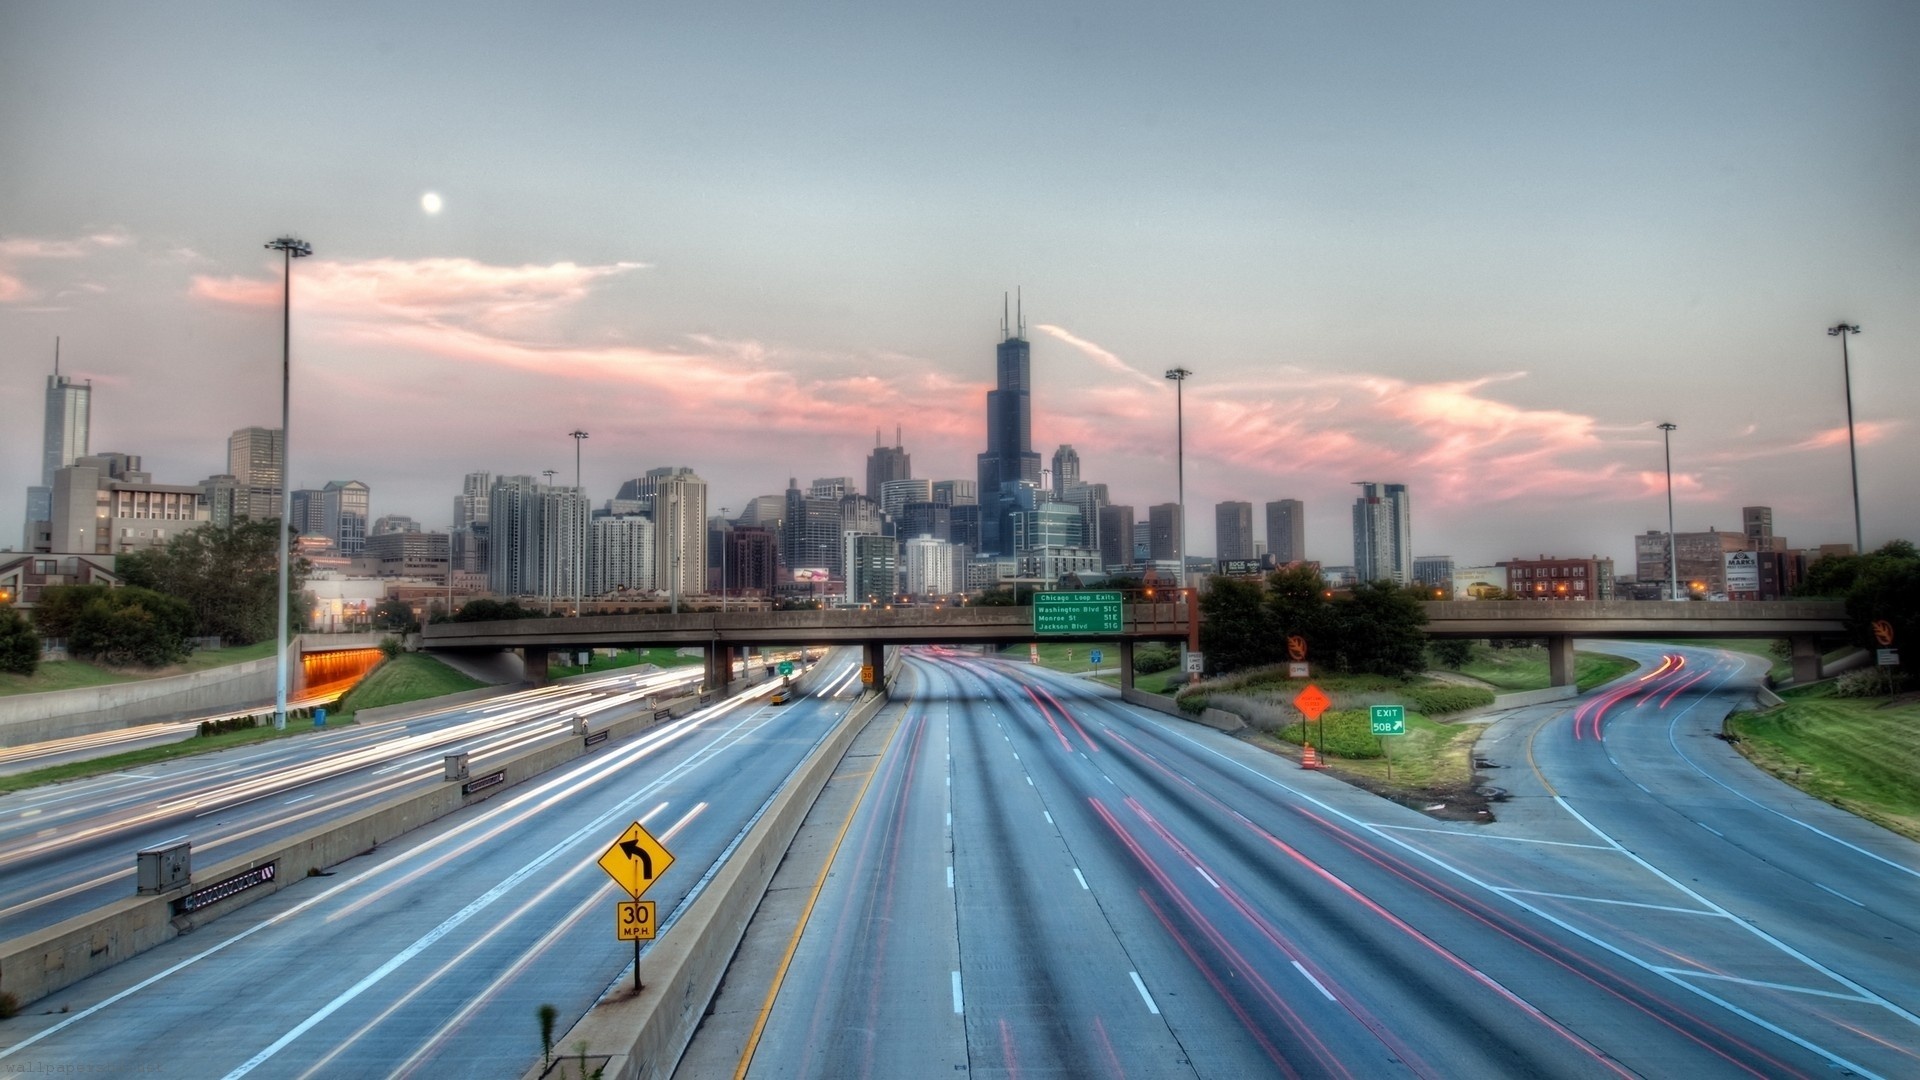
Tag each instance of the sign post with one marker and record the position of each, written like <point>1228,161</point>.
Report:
<point>635,861</point>
<point>1387,720</point>
<point>1312,703</point>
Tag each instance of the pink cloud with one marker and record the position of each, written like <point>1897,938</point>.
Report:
<point>15,250</point>
<point>11,288</point>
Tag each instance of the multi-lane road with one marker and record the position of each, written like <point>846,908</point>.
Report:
<point>1041,881</point>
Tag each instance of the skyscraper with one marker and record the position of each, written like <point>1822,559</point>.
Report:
<point>309,511</point>
<point>1383,533</point>
<point>1233,530</point>
<point>256,457</point>
<point>1066,469</point>
<point>1010,457</point>
<point>956,492</point>
<point>470,506</point>
<point>344,512</point>
<point>680,534</point>
<point>68,423</point>
<point>887,463</point>
<point>1164,543</point>
<point>1116,537</point>
<point>1287,531</point>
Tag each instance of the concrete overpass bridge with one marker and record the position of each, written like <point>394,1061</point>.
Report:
<point>723,634</point>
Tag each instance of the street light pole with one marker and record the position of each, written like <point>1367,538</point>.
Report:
<point>580,562</point>
<point>726,541</point>
<point>547,541</point>
<point>289,249</point>
<point>1179,376</point>
<point>1844,331</point>
<point>1673,552</point>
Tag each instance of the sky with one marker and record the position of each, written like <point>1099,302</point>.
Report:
<point>1481,249</point>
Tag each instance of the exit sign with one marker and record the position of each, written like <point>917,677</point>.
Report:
<point>1388,719</point>
<point>1076,613</point>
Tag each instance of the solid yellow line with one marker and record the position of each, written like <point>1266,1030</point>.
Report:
<point>1536,765</point>
<point>780,974</point>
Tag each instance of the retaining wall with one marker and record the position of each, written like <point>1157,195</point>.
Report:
<point>59,714</point>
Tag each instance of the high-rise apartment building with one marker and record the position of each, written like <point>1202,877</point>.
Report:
<point>68,422</point>
<point>1010,458</point>
<point>1091,499</point>
<point>930,519</point>
<point>1287,531</point>
<point>538,538</point>
<point>956,492</point>
<point>1233,531</point>
<point>896,494</point>
<point>885,465</point>
<point>831,487</point>
<point>1116,537</point>
<point>256,458</point>
<point>1164,540</point>
<point>752,564</point>
<point>680,534</point>
<point>872,567</point>
<point>221,491</point>
<point>1066,470</point>
<point>344,509</point>
<point>810,533</point>
<point>929,566</point>
<point>470,506</point>
<point>620,555</point>
<point>1383,533</point>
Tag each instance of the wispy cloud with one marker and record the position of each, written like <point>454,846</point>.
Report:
<point>1097,354</point>
<point>18,251</point>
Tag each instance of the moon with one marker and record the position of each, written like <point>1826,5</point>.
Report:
<point>430,202</point>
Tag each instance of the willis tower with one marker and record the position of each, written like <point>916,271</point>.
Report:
<point>1010,459</point>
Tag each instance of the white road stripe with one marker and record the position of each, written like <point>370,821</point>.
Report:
<point>1208,876</point>
<point>1081,879</point>
<point>1029,781</point>
<point>1711,829</point>
<point>1693,973</point>
<point>1840,894</point>
<point>1048,816</point>
<point>949,877</point>
<point>958,1004</point>
<point>1314,981</point>
<point>1622,903</point>
<point>1144,996</point>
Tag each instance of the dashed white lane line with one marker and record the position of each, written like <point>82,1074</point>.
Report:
<point>1048,816</point>
<point>1144,996</point>
<point>1108,779</point>
<point>1840,894</point>
<point>1029,781</point>
<point>1316,982</point>
<point>1711,829</point>
<point>302,798</point>
<point>1079,878</point>
<point>1208,876</point>
<point>949,877</point>
<point>958,1003</point>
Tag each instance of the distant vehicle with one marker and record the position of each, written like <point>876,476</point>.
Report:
<point>779,698</point>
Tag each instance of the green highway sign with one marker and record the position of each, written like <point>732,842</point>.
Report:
<point>1076,613</point>
<point>786,667</point>
<point>1388,719</point>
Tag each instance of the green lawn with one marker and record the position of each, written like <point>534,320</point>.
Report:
<point>665,658</point>
<point>1514,670</point>
<point>74,674</point>
<point>407,677</point>
<point>132,759</point>
<point>1061,656</point>
<point>1856,753</point>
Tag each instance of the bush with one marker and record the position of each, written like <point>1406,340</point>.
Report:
<point>119,626</point>
<point>1440,700</point>
<point>1449,653</point>
<point>19,644</point>
<point>231,723</point>
<point>1148,659</point>
<point>391,647</point>
<point>1191,703</point>
<point>1868,682</point>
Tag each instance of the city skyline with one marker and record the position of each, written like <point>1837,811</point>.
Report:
<point>1637,233</point>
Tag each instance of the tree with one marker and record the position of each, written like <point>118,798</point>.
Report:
<point>488,610</point>
<point>1378,630</point>
<point>1451,653</point>
<point>125,626</point>
<point>1297,605</point>
<point>1238,632</point>
<point>227,575</point>
<point>394,613</point>
<point>19,644</point>
<point>1885,587</point>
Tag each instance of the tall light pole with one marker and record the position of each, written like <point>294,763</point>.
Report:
<point>1179,376</point>
<point>289,249</point>
<point>1844,331</point>
<point>1673,551</point>
<point>580,562</point>
<point>547,539</point>
<point>726,541</point>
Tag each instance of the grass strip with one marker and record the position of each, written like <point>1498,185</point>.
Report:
<point>133,759</point>
<point>1860,754</point>
<point>78,674</point>
<point>404,678</point>
<point>626,658</point>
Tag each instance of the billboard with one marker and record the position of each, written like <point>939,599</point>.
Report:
<point>1479,582</point>
<point>811,573</point>
<point>1743,572</point>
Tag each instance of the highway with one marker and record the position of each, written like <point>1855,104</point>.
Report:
<point>68,848</point>
<point>430,956</point>
<point>1041,881</point>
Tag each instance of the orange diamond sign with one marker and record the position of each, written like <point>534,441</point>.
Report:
<point>1312,701</point>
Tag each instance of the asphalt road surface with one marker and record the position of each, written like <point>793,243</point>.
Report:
<point>1041,881</point>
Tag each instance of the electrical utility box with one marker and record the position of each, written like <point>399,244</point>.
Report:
<point>457,766</point>
<point>165,868</point>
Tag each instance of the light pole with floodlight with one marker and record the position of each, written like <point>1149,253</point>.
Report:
<point>726,541</point>
<point>1673,550</point>
<point>580,563</point>
<point>1179,376</point>
<point>290,249</point>
<point>1844,331</point>
<point>549,538</point>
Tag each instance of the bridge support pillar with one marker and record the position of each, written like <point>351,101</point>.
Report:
<point>1560,662</point>
<point>1806,659</point>
<point>1126,664</point>
<point>719,667</point>
<point>874,655</point>
<point>534,661</point>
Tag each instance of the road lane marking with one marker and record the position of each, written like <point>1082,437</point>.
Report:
<point>806,913</point>
<point>1146,997</point>
<point>1485,836</point>
<point>1029,781</point>
<point>1643,787</point>
<point>1108,779</point>
<point>1711,829</point>
<point>1316,982</point>
<point>1048,816</point>
<point>1077,876</point>
<point>1208,876</point>
<point>1695,973</point>
<point>958,1003</point>
<point>1622,903</point>
<point>301,798</point>
<point>1840,894</point>
<point>949,877</point>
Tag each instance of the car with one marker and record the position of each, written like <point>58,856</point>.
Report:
<point>779,698</point>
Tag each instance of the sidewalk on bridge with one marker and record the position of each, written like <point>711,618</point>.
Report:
<point>724,1031</point>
